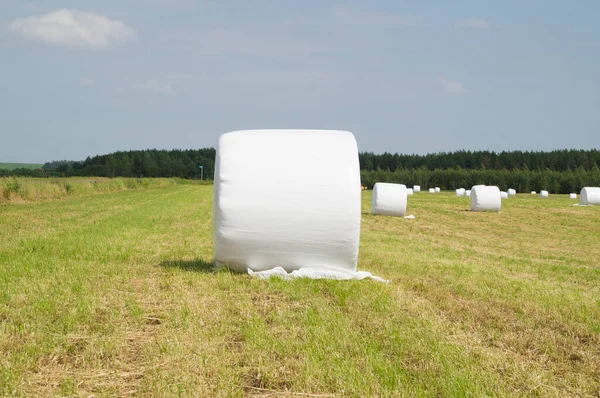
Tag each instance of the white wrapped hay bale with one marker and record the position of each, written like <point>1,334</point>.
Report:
<point>533,192</point>
<point>431,190</point>
<point>389,199</point>
<point>460,192</point>
<point>503,195</point>
<point>543,194</point>
<point>437,190</point>
<point>573,195</point>
<point>511,192</point>
<point>468,193</point>
<point>409,191</point>
<point>590,196</point>
<point>417,188</point>
<point>310,215</point>
<point>485,198</point>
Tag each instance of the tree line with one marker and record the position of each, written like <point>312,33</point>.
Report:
<point>559,171</point>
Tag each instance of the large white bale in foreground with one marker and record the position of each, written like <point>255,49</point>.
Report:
<point>485,198</point>
<point>573,195</point>
<point>437,190</point>
<point>409,191</point>
<point>431,190</point>
<point>417,188</point>
<point>543,194</point>
<point>389,199</point>
<point>511,192</point>
<point>308,216</point>
<point>590,196</point>
<point>503,195</point>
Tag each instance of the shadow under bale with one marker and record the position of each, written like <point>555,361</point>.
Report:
<point>199,265</point>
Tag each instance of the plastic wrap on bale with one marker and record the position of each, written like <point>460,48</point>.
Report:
<point>589,196</point>
<point>485,198</point>
<point>543,194</point>
<point>309,216</point>
<point>389,199</point>
<point>511,192</point>
<point>417,188</point>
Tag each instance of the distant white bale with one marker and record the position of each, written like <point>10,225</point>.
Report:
<point>409,191</point>
<point>417,188</point>
<point>573,195</point>
<point>431,190</point>
<point>503,195</point>
<point>543,194</point>
<point>511,192</point>
<point>468,192</point>
<point>389,199</point>
<point>590,196</point>
<point>310,214</point>
<point>460,192</point>
<point>533,192</point>
<point>485,198</point>
<point>437,189</point>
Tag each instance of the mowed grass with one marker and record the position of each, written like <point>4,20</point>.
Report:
<point>12,166</point>
<point>114,295</point>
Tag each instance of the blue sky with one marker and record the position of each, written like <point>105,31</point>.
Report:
<point>82,78</point>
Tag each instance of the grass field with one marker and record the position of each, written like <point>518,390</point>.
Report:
<point>114,295</point>
<point>12,166</point>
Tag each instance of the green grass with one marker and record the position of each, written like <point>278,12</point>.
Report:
<point>12,166</point>
<point>114,295</point>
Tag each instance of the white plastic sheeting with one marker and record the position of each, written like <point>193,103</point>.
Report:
<point>485,198</point>
<point>460,192</point>
<point>468,193</point>
<point>310,214</point>
<point>409,191</point>
<point>573,195</point>
<point>437,190</point>
<point>590,196</point>
<point>389,199</point>
<point>431,190</point>
<point>503,195</point>
<point>316,273</point>
<point>417,188</point>
<point>511,192</point>
<point>543,194</point>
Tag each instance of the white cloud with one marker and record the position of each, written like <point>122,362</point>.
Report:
<point>347,15</point>
<point>452,87</point>
<point>156,87</point>
<point>472,23</point>
<point>86,82</point>
<point>73,28</point>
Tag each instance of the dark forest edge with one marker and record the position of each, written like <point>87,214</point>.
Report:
<point>560,171</point>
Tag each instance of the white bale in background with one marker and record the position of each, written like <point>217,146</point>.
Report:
<point>437,190</point>
<point>503,195</point>
<point>460,192</point>
<point>485,198</point>
<point>468,193</point>
<point>389,199</point>
<point>543,194</point>
<point>409,191</point>
<point>590,196</point>
<point>533,192</point>
<point>431,190</point>
<point>310,214</point>
<point>511,192</point>
<point>573,195</point>
<point>417,188</point>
